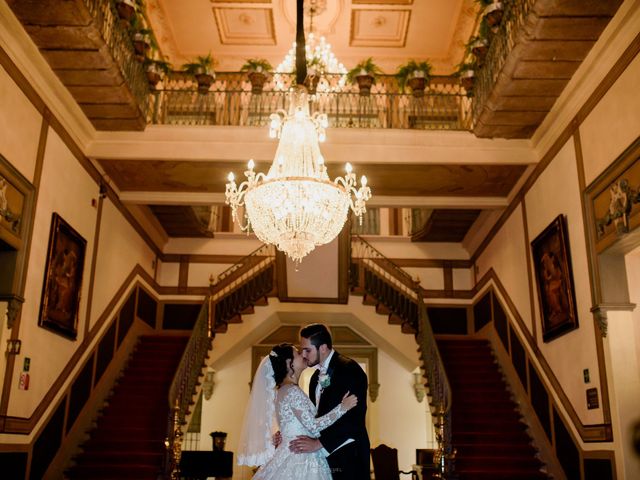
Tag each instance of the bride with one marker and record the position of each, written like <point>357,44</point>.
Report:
<point>277,401</point>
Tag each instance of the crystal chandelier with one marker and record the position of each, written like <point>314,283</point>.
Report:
<point>295,206</point>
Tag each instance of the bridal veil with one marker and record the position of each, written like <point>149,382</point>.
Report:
<point>256,446</point>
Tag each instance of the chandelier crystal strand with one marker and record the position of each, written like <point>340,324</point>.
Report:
<point>319,55</point>
<point>295,206</point>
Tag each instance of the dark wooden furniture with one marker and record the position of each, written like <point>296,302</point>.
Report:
<point>424,464</point>
<point>203,464</point>
<point>385,464</point>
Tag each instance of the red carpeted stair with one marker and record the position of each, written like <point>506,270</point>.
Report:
<point>490,438</point>
<point>128,441</point>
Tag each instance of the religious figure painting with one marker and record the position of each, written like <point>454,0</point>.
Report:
<point>62,279</point>
<point>554,279</point>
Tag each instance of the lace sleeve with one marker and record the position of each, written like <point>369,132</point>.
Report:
<point>305,412</point>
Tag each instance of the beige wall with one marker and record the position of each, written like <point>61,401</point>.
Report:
<point>66,189</point>
<point>18,145</point>
<point>613,124</point>
<point>506,254</point>
<point>119,250</point>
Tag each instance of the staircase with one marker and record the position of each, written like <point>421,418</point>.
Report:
<point>488,432</point>
<point>128,441</point>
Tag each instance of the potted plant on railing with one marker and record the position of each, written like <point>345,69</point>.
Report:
<point>142,43</point>
<point>364,74</point>
<point>478,46</point>
<point>492,11</point>
<point>258,70</point>
<point>415,75</point>
<point>202,70</point>
<point>126,9</point>
<point>155,69</point>
<point>467,75</point>
<point>315,69</point>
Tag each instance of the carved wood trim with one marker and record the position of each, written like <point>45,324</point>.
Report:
<point>94,261</point>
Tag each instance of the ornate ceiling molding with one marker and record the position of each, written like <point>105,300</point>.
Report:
<point>379,28</point>
<point>245,26</point>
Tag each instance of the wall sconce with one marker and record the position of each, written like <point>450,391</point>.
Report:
<point>418,385</point>
<point>208,384</point>
<point>13,347</point>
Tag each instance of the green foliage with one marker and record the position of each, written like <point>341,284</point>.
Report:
<point>407,70</point>
<point>465,67</point>
<point>368,66</point>
<point>253,64</point>
<point>202,64</point>
<point>161,65</point>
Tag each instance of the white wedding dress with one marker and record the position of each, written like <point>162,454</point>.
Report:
<point>297,416</point>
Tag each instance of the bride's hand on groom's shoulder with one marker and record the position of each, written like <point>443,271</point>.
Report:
<point>349,401</point>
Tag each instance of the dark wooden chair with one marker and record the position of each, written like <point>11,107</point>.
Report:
<point>424,463</point>
<point>385,464</point>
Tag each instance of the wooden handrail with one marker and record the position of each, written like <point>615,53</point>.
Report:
<point>393,287</point>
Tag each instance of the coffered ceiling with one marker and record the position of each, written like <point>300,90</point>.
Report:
<point>391,31</point>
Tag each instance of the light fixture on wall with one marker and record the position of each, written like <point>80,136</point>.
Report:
<point>295,206</point>
<point>418,385</point>
<point>208,384</point>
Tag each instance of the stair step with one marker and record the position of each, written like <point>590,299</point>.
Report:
<point>108,471</point>
<point>502,474</point>
<point>116,457</point>
<point>500,463</point>
<point>111,431</point>
<point>488,433</point>
<point>127,445</point>
<point>487,449</point>
<point>493,438</point>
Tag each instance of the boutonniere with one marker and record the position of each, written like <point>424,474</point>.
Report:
<point>324,380</point>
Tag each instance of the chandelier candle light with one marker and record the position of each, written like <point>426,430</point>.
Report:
<point>295,206</point>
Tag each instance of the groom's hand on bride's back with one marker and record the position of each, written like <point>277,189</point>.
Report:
<point>276,439</point>
<point>304,444</point>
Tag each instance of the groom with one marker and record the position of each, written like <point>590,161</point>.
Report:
<point>346,441</point>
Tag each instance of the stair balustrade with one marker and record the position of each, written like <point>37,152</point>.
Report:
<point>234,290</point>
<point>377,276</point>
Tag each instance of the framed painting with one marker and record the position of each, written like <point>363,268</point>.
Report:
<point>556,296</point>
<point>62,279</point>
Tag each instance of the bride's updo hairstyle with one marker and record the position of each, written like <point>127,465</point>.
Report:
<point>279,356</point>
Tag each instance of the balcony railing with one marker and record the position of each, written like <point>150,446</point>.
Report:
<point>118,40</point>
<point>229,101</point>
<point>502,43</point>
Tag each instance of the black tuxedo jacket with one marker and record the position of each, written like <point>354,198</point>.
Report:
<point>346,376</point>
